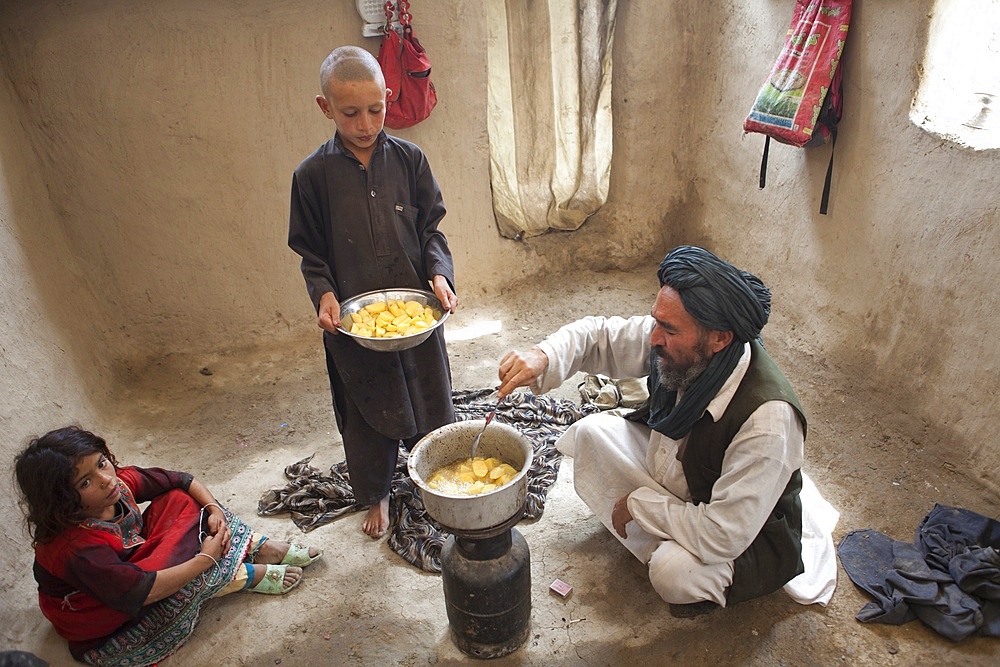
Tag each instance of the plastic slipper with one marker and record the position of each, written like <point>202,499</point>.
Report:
<point>272,583</point>
<point>299,555</point>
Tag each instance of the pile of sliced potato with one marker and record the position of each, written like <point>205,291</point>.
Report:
<point>472,476</point>
<point>392,319</point>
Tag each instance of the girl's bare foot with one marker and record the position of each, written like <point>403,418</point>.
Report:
<point>377,519</point>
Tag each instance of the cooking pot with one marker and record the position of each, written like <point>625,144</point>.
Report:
<point>453,442</point>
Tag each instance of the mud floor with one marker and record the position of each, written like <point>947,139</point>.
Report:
<point>260,410</point>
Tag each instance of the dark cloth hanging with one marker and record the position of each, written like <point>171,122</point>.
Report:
<point>949,577</point>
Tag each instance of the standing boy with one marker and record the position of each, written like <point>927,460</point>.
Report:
<point>364,216</point>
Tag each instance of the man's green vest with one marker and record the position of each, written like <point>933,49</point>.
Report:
<point>775,555</point>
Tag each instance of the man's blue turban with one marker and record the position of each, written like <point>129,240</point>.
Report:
<point>716,293</point>
<point>720,297</point>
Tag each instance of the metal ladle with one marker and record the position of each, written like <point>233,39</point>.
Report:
<point>489,418</point>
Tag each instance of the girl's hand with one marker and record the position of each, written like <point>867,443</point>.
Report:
<point>216,520</point>
<point>217,544</point>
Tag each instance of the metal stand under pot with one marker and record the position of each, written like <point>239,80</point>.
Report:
<point>485,564</point>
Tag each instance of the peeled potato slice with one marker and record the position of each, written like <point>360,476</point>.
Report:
<point>391,319</point>
<point>472,476</point>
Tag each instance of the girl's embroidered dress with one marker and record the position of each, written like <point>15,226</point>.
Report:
<point>93,578</point>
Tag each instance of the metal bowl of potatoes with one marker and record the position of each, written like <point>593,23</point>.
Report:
<point>367,304</point>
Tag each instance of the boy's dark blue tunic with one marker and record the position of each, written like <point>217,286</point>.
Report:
<point>359,230</point>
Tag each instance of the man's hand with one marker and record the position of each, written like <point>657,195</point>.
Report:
<point>328,316</point>
<point>442,290</point>
<point>520,369</point>
<point>620,516</point>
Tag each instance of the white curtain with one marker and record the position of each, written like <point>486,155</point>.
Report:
<point>549,104</point>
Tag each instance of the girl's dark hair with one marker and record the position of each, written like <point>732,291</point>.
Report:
<point>45,472</point>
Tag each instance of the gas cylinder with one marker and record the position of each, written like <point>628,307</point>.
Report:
<point>487,592</point>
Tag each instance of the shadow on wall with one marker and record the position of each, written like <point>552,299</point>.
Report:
<point>55,334</point>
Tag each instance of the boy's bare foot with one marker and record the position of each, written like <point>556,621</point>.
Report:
<point>377,519</point>
<point>292,575</point>
<point>273,552</point>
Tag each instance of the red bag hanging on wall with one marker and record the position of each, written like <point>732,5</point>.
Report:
<point>802,100</point>
<point>410,95</point>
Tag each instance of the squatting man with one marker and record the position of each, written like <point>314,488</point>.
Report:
<point>704,483</point>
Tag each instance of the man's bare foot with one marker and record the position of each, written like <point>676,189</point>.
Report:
<point>377,519</point>
<point>273,552</point>
<point>292,575</point>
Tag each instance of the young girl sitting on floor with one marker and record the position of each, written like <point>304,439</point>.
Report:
<point>124,586</point>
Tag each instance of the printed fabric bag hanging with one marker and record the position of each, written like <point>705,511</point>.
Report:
<point>801,102</point>
<point>410,95</point>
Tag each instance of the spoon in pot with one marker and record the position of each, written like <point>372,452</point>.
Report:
<point>489,418</point>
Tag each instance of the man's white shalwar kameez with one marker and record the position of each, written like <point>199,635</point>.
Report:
<point>689,548</point>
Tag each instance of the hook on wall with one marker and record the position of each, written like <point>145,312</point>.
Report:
<point>373,13</point>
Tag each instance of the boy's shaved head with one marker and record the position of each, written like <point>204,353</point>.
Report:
<point>349,63</point>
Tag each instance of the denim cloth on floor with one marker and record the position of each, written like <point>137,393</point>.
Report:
<point>949,578</point>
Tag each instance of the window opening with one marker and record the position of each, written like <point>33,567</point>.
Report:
<point>958,97</point>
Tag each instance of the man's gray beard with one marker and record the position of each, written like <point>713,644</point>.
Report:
<point>675,379</point>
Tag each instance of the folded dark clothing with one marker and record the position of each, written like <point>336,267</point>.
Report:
<point>948,531</point>
<point>977,572</point>
<point>948,577</point>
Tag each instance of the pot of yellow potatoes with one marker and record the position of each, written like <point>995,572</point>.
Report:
<point>465,494</point>
<point>391,320</point>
